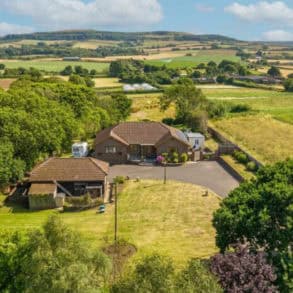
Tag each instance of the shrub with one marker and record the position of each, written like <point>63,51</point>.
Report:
<point>238,108</point>
<point>175,157</point>
<point>166,157</point>
<point>221,79</point>
<point>154,273</point>
<point>288,84</point>
<point>240,157</point>
<point>243,271</point>
<point>168,121</point>
<point>251,166</point>
<point>184,157</point>
<point>80,201</point>
<point>160,159</point>
<point>119,179</point>
<point>196,278</point>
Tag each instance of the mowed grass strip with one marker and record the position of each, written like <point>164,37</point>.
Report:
<point>267,139</point>
<point>173,219</point>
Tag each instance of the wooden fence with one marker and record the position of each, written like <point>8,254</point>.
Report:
<point>227,147</point>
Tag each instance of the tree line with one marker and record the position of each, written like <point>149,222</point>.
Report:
<point>41,117</point>
<point>65,50</point>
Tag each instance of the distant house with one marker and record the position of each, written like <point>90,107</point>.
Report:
<point>264,79</point>
<point>60,177</point>
<point>138,141</point>
<point>205,80</point>
<point>71,58</point>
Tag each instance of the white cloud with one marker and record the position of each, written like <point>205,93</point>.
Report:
<point>68,14</point>
<point>8,28</point>
<point>278,35</point>
<point>263,11</point>
<point>204,8</point>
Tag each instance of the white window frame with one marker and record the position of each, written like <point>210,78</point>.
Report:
<point>110,149</point>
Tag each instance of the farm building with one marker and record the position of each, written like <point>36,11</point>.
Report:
<point>56,178</point>
<point>138,87</point>
<point>139,141</point>
<point>71,58</point>
<point>259,79</point>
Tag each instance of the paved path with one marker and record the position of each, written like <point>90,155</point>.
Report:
<point>206,173</point>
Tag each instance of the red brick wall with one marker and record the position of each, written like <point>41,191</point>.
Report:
<point>113,158</point>
<point>172,143</point>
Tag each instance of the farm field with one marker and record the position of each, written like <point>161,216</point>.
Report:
<point>147,106</point>
<point>105,82</point>
<point>278,104</point>
<point>199,56</point>
<point>93,44</point>
<point>266,138</point>
<point>158,219</point>
<point>55,65</point>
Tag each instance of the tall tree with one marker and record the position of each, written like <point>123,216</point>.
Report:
<point>260,211</point>
<point>52,260</point>
<point>244,271</point>
<point>186,98</point>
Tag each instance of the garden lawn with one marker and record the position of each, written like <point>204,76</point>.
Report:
<point>267,139</point>
<point>172,219</point>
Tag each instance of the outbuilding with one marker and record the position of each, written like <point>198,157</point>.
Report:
<point>57,178</point>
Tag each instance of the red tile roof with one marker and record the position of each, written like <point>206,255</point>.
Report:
<point>70,169</point>
<point>143,133</point>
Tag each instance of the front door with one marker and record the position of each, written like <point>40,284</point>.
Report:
<point>148,152</point>
<point>134,152</point>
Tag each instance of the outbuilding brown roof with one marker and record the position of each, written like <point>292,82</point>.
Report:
<point>70,169</point>
<point>143,133</point>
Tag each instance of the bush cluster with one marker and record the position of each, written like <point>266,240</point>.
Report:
<point>244,159</point>
<point>173,157</point>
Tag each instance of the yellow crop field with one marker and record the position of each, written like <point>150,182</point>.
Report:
<point>102,82</point>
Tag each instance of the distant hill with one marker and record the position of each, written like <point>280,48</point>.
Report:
<point>83,35</point>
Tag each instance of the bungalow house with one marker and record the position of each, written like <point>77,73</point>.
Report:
<point>60,177</point>
<point>138,141</point>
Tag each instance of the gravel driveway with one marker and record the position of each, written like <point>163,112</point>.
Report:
<point>206,173</point>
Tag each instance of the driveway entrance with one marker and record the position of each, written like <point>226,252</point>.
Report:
<point>206,173</point>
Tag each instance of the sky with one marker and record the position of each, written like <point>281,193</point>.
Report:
<point>242,19</point>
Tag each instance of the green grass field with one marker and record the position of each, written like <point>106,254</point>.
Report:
<point>56,66</point>
<point>202,56</point>
<point>266,138</point>
<point>276,103</point>
<point>172,219</point>
<point>147,106</point>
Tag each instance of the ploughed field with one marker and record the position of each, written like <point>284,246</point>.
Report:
<point>173,219</point>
